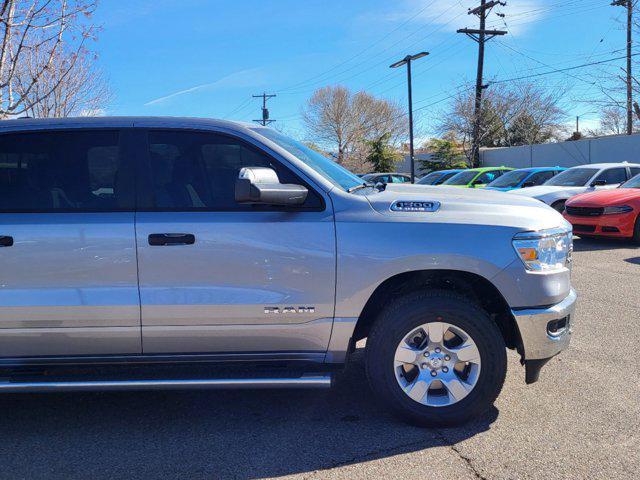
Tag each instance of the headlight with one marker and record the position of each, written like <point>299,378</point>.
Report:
<point>616,210</point>
<point>545,250</point>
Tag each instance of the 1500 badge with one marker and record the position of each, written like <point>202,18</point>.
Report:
<point>281,310</point>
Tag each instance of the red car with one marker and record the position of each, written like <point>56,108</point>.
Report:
<point>607,213</point>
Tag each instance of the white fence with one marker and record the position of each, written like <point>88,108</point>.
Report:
<point>618,148</point>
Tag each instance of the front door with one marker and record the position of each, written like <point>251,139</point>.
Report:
<point>220,277</point>
<point>68,276</point>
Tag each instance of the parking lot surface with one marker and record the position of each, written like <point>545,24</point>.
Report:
<point>581,420</point>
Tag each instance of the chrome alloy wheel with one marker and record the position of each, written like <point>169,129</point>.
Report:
<point>437,364</point>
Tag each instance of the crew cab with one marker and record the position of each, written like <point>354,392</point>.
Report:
<point>145,253</point>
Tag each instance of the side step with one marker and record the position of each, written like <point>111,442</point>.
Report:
<point>304,381</point>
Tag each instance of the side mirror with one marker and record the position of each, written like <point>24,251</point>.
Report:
<point>598,183</point>
<point>528,184</point>
<point>260,185</point>
<point>476,183</point>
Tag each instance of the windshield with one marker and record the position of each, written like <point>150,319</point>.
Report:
<point>574,177</point>
<point>634,182</point>
<point>430,179</point>
<point>510,179</point>
<point>462,178</point>
<point>327,168</point>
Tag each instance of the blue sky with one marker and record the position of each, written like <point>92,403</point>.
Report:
<point>207,57</point>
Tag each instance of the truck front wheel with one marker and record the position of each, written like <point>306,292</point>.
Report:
<point>436,358</point>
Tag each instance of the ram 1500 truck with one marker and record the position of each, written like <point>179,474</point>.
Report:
<point>140,253</point>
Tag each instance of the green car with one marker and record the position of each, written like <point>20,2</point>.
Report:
<point>476,177</point>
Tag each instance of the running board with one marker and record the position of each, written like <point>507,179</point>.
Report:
<point>305,381</point>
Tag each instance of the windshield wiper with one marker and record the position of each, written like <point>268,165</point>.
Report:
<point>361,186</point>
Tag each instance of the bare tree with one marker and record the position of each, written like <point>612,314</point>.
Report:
<point>72,85</point>
<point>520,114</point>
<point>343,121</point>
<point>34,33</point>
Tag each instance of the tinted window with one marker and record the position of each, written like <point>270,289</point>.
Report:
<point>613,176</point>
<point>488,177</point>
<point>431,178</point>
<point>574,177</point>
<point>445,177</point>
<point>63,171</point>
<point>193,170</point>
<point>540,177</point>
<point>399,179</point>
<point>462,178</point>
<point>634,171</point>
<point>510,179</point>
<point>633,183</point>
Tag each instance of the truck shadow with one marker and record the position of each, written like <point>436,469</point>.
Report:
<point>207,434</point>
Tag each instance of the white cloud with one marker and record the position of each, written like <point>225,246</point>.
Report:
<point>451,15</point>
<point>242,78</point>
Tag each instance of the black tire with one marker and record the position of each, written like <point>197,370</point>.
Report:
<point>559,205</point>
<point>636,231</point>
<point>398,319</point>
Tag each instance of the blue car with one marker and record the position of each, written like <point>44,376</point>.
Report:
<point>438,177</point>
<point>523,178</point>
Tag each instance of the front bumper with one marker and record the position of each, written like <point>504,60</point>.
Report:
<point>545,332</point>
<point>620,225</point>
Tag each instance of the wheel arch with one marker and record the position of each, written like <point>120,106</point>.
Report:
<point>471,285</point>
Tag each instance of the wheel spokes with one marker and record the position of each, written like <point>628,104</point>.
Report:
<point>406,354</point>
<point>437,364</point>
<point>457,388</point>
<point>468,352</point>
<point>435,332</point>
<point>417,390</point>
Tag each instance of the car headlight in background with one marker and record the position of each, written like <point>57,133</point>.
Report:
<point>617,210</point>
<point>545,250</point>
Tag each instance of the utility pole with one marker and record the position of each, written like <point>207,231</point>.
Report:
<point>481,36</point>
<point>629,5</point>
<point>265,120</point>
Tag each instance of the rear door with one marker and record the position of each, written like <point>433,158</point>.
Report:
<point>68,276</point>
<point>229,277</point>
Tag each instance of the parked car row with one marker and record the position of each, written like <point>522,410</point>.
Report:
<point>587,195</point>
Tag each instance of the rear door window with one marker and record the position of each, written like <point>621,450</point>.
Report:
<point>539,178</point>
<point>64,171</point>
<point>488,177</point>
<point>613,176</point>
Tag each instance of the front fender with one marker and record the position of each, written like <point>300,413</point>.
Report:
<point>370,253</point>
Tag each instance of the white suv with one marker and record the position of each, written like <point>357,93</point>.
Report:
<point>576,180</point>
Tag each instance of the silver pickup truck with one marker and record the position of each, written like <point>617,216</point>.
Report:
<point>140,253</point>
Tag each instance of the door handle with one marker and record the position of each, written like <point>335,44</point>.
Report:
<point>157,239</point>
<point>6,241</point>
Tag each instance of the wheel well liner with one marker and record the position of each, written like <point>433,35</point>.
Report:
<point>475,287</point>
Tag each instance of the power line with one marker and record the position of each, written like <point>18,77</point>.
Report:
<point>344,62</point>
<point>310,86</point>
<point>561,70</point>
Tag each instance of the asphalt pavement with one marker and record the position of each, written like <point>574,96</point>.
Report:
<point>581,420</point>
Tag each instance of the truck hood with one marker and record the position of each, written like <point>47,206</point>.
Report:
<point>603,198</point>
<point>468,206</point>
